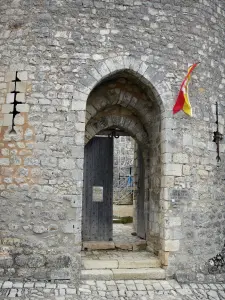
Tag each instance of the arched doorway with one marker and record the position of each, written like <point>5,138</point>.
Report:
<point>123,102</point>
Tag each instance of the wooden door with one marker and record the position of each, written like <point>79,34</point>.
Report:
<point>141,232</point>
<point>98,190</point>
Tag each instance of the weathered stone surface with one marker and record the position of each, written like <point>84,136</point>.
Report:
<point>100,264</point>
<point>5,261</point>
<point>97,274</point>
<point>21,260</point>
<point>59,261</point>
<point>98,245</point>
<point>124,246</point>
<point>154,273</point>
<point>71,55</point>
<point>60,274</point>
<point>36,260</point>
<point>141,245</point>
<point>136,264</point>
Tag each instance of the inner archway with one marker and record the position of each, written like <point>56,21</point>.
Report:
<point>124,102</point>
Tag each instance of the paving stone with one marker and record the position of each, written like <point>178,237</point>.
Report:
<point>121,289</point>
<point>71,291</point>
<point>17,284</point>
<point>62,286</point>
<point>7,285</point>
<point>29,284</point>
<point>51,286</point>
<point>140,286</point>
<point>213,294</point>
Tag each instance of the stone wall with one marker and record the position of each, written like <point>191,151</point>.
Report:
<point>62,50</point>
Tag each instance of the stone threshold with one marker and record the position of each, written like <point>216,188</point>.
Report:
<point>102,245</point>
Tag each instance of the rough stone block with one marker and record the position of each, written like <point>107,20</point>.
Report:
<point>39,229</point>
<point>78,152</point>
<point>7,285</point>
<point>28,284</point>
<point>76,201</point>
<point>173,169</point>
<point>22,75</point>
<point>35,261</point>
<point>78,105</point>
<point>20,97</point>
<point>98,245</point>
<point>180,158</point>
<point>203,174</point>
<point>99,264</point>
<point>167,181</point>
<point>78,96</point>
<point>59,261</point>
<point>138,274</point>
<point>22,107</point>
<point>21,86</point>
<point>96,274</point>
<point>174,233</point>
<point>171,245</point>
<point>164,257</point>
<point>31,161</point>
<point>9,76</point>
<point>70,291</point>
<point>40,273</point>
<point>139,264</point>
<point>186,170</point>
<point>4,161</point>
<point>6,261</point>
<point>70,227</point>
<point>140,245</point>
<point>21,260</point>
<point>66,163</point>
<point>9,98</point>
<point>7,108</point>
<point>124,246</point>
<point>173,221</point>
<point>19,120</point>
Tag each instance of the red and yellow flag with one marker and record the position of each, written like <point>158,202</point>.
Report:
<point>182,99</point>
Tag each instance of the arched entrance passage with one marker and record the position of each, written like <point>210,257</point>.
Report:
<point>123,101</point>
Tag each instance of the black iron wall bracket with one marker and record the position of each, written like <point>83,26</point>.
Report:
<point>217,138</point>
<point>114,134</point>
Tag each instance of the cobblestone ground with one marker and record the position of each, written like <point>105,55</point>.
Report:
<point>120,289</point>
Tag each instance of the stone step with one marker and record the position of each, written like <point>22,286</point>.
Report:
<point>152,262</point>
<point>123,274</point>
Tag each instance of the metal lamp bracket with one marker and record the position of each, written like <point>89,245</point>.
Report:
<point>113,134</point>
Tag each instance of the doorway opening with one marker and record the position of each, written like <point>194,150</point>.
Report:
<point>128,221</point>
<point>123,105</point>
<point>114,191</point>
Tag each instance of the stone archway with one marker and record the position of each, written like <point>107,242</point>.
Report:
<point>158,83</point>
<point>124,102</point>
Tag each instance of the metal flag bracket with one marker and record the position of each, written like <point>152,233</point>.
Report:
<point>217,135</point>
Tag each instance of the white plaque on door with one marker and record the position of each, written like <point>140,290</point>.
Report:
<point>97,193</point>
